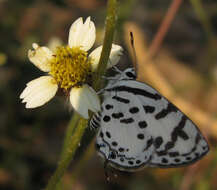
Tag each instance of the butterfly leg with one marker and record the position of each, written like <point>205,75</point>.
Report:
<point>106,170</point>
<point>100,91</point>
<point>111,155</point>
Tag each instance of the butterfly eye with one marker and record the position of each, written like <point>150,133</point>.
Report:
<point>131,75</point>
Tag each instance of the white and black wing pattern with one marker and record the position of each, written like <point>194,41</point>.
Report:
<point>128,74</point>
<point>139,127</point>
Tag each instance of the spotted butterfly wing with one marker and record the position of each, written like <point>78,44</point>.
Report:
<point>128,74</point>
<point>139,127</point>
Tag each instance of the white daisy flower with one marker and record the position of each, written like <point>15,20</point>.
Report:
<point>69,68</point>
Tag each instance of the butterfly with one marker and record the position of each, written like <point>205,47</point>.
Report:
<point>138,128</point>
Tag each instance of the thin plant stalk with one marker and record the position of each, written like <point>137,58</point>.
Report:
<point>107,43</point>
<point>68,156</point>
<point>69,131</point>
<point>164,27</point>
<point>82,163</point>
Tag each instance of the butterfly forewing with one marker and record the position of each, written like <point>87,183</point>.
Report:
<point>139,127</point>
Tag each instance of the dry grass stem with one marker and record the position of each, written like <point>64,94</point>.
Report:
<point>164,27</point>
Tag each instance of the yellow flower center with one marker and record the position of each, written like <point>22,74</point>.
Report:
<point>70,67</point>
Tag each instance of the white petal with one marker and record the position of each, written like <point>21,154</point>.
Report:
<point>93,99</point>
<point>82,34</point>
<point>84,99</point>
<point>39,91</point>
<point>54,42</point>
<point>114,57</point>
<point>40,57</point>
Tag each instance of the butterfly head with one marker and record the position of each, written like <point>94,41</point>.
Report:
<point>128,74</point>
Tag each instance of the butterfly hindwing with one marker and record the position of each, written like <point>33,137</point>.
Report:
<point>118,139</point>
<point>139,127</point>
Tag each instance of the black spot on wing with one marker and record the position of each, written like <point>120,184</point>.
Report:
<point>169,145</point>
<point>101,134</point>
<point>183,135</point>
<point>127,121</point>
<point>134,110</point>
<point>178,130</point>
<point>198,138</point>
<point>158,141</point>
<point>136,91</point>
<point>117,115</point>
<point>108,106</point>
<point>106,118</point>
<point>149,109</point>
<point>114,143</point>
<point>149,143</point>
<point>142,124</point>
<point>122,159</point>
<point>108,134</point>
<point>197,154</point>
<point>164,160</point>
<point>121,149</point>
<point>173,154</point>
<point>177,160</point>
<point>164,112</point>
<point>130,162</point>
<point>161,153</point>
<point>140,136</point>
<point>120,99</point>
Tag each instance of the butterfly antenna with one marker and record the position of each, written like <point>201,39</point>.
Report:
<point>134,52</point>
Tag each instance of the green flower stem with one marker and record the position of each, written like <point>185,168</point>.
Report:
<point>68,156</point>
<point>75,133</point>
<point>107,43</point>
<point>69,131</point>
